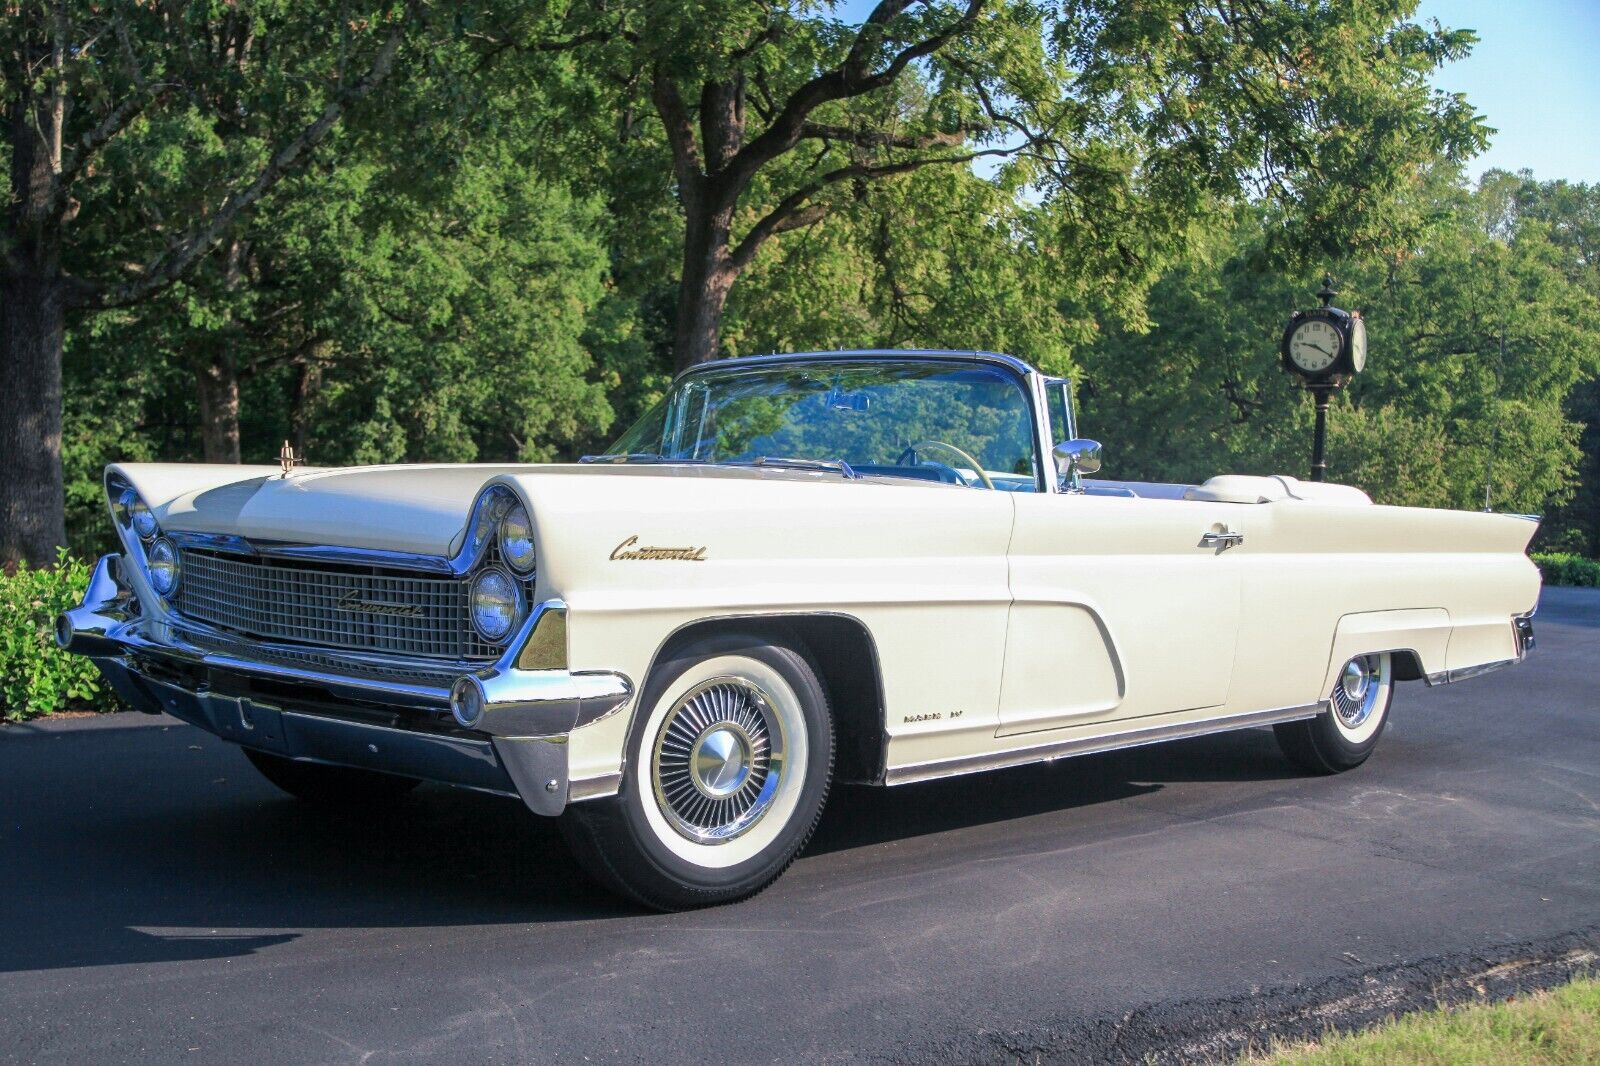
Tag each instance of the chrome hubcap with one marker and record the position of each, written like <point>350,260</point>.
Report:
<point>1356,695</point>
<point>721,762</point>
<point>718,760</point>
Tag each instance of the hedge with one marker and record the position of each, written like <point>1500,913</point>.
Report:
<point>36,677</point>
<point>1563,568</point>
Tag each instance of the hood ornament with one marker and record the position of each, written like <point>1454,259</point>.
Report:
<point>287,459</point>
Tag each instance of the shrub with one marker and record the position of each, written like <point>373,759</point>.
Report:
<point>36,677</point>
<point>1562,568</point>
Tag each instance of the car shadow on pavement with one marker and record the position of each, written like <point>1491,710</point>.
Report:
<point>129,845</point>
<point>160,844</point>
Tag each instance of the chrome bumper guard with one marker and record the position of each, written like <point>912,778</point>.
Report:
<point>375,713</point>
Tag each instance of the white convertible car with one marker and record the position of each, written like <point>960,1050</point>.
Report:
<point>869,566</point>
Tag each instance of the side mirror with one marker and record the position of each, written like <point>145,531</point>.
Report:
<point>1075,457</point>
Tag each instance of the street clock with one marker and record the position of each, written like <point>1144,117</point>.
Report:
<point>1322,349</point>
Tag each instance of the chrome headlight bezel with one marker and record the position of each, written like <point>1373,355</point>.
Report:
<point>516,601</point>
<point>514,534</point>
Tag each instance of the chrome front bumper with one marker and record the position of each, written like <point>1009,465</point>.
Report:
<point>365,711</point>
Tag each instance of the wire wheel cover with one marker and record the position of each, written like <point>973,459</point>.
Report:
<point>718,760</point>
<point>1356,694</point>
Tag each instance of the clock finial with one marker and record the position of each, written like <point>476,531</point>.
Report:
<point>1327,292</point>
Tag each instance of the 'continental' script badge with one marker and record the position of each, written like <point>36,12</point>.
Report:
<point>629,550</point>
<point>352,601</point>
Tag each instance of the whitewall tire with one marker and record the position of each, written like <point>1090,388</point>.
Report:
<point>728,764</point>
<point>1343,736</point>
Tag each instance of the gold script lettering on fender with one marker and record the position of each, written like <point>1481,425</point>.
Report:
<point>650,553</point>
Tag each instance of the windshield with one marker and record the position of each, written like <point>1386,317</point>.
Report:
<point>960,423</point>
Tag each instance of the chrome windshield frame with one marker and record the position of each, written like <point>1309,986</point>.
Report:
<point>1031,380</point>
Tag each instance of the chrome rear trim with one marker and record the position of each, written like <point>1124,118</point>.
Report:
<point>1061,749</point>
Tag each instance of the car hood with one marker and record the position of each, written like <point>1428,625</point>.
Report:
<point>420,509</point>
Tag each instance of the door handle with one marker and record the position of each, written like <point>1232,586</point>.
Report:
<point>1225,539</point>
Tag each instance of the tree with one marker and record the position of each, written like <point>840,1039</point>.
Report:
<point>137,136</point>
<point>1439,413</point>
<point>1128,120</point>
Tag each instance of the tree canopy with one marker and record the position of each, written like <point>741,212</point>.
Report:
<point>492,231</point>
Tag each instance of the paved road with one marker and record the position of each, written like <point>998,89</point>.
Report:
<point>160,902</point>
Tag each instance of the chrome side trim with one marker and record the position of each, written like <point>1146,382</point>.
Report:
<point>1447,677</point>
<point>1061,749</point>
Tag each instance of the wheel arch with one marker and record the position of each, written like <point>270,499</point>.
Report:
<point>842,651</point>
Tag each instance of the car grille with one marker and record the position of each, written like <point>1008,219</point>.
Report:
<point>348,607</point>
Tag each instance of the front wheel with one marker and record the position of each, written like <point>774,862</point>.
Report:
<point>728,766</point>
<point>1343,736</point>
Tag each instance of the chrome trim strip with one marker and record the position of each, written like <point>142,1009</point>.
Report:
<point>774,358</point>
<point>1449,677</point>
<point>1060,749</point>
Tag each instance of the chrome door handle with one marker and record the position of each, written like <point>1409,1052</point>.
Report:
<point>1227,539</point>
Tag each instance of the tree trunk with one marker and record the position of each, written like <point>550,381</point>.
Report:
<point>708,275</point>
<point>217,385</point>
<point>32,496</point>
<point>33,306</point>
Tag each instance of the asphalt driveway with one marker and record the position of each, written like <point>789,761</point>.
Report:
<point>159,901</point>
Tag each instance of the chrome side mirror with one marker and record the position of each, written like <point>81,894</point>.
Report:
<point>1075,457</point>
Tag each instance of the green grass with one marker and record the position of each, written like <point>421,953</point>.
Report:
<point>1558,1027</point>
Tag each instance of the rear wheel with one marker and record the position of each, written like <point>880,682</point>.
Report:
<point>1342,737</point>
<point>728,766</point>
<point>324,784</point>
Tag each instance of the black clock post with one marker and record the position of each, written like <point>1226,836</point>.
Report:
<point>1323,349</point>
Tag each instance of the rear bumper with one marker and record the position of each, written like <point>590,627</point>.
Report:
<point>346,710</point>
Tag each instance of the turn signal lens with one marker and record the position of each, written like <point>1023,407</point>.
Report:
<point>466,702</point>
<point>496,603</point>
<point>516,539</point>
<point>163,562</point>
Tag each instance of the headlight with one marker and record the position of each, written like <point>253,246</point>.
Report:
<point>163,562</point>
<point>139,514</point>
<point>516,539</point>
<point>496,603</point>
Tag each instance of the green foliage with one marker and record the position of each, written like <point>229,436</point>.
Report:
<point>1564,568</point>
<point>1438,415</point>
<point>36,677</point>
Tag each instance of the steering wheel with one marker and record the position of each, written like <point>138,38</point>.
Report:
<point>977,468</point>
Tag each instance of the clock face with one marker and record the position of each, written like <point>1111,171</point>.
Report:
<point>1314,345</point>
<point>1358,344</point>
